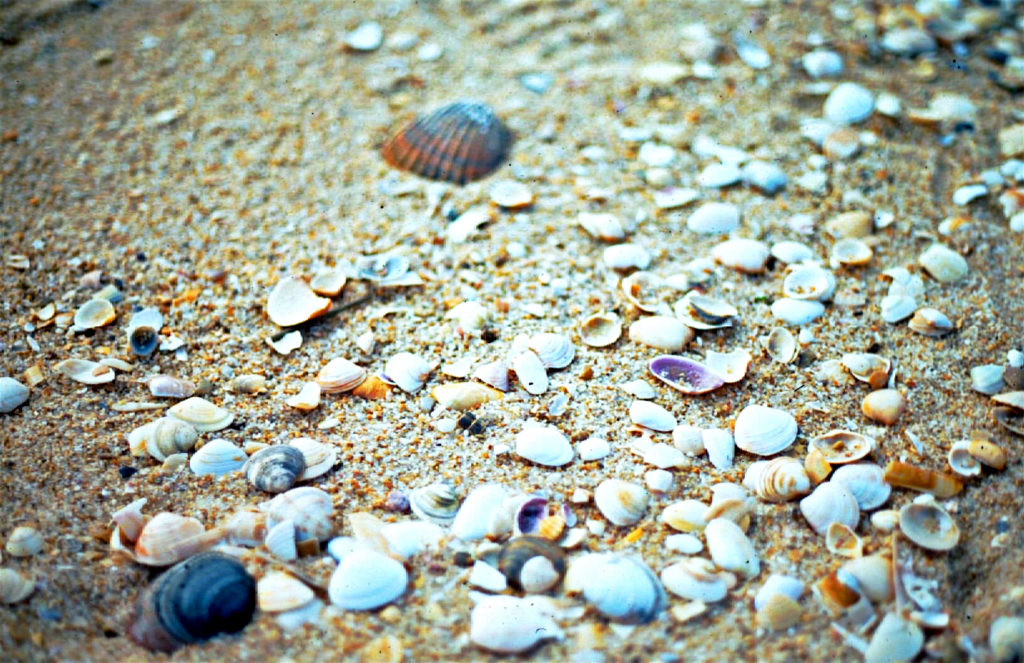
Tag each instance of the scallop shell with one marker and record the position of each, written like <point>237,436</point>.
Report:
<point>143,331</point>
<point>280,540</point>
<point>518,561</point>
<point>437,503</point>
<point>166,436</point>
<point>544,445</point>
<point>553,350</point>
<point>699,311</point>
<point>510,625</point>
<point>24,542</point>
<point>684,374</point>
<point>601,330</point>
<point>720,446</point>
<point>651,415</point>
<point>204,416</point>
<point>217,457</point>
<point>842,446</point>
<point>809,281</point>
<point>14,587</point>
<point>407,371</point>
<point>830,503</point>
<point>293,302</point>
<point>866,481</point>
<point>621,502</point>
<point>12,394</point>
<point>764,431</point>
<point>311,509</point>
<point>169,386</point>
<point>777,480</point>
<point>695,579</point>
<point>318,457</point>
<point>339,375</point>
<point>458,143</point>
<point>605,227</point>
<point>85,371</point>
<point>962,461</point>
<point>463,395</point>
<point>661,332</point>
<point>623,589</point>
<point>94,313</point>
<point>730,548</point>
<point>474,518</point>
<point>530,371</point>
<point>365,580</point>
<point>929,526</point>
<point>275,469</point>
<point>494,373</point>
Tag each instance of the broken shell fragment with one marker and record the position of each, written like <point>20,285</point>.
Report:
<point>699,311</point>
<point>601,330</point>
<point>987,378</point>
<point>884,406</point>
<point>12,394</point>
<point>530,371</point>
<point>292,302</point>
<point>714,219</point>
<point>627,257</point>
<point>494,373</point>
<point>781,345</point>
<point>842,446</point>
<point>661,332</point>
<point>85,371</point>
<point>328,282</point>
<point>621,502</point>
<point>685,375</point>
<point>696,579</point>
<point>929,526</point>
<point>986,452</point>
<point>720,447</point>
<point>553,350</point>
<point>168,538</point>
<point>408,371</point>
<point>764,431</point>
<point>307,399</point>
<point>204,416</point>
<point>872,576</point>
<point>851,252</point>
<point>605,227</point>
<point>277,592</point>
<point>340,375</point>
<point>830,503</point>
<point>840,539</point>
<point>923,480</point>
<point>510,625</point>
<point>895,639</point>
<point>731,366</point>
<point>544,445</point>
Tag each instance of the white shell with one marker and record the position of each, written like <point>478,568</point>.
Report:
<point>204,416</point>
<point>463,395</point>
<point>961,461</point>
<point>796,311</point>
<point>744,255</point>
<point>730,366</point>
<point>544,445</point>
<point>764,175</point>
<point>510,625</point>
<point>943,264</point>
<point>436,503</point>
<point>280,540</point>
<point>469,316</point>
<point>895,639</point>
<point>871,575</point>
<point>605,227</point>
<point>165,539</point>
<point>764,431</point>
<point>217,457</point>
<point>130,520</point>
<point>511,194</point>
<point>319,457</point>
<point>365,580</point>
<point>659,481</point>
<point>530,371</point>
<point>339,375</point>
<point>24,542</point>
<point>85,371</point>
<point>695,579</point>
<point>651,415</point>
<point>367,37</point>
<point>292,302</point>
<point>781,345</point>
<point>553,350</point>
<point>661,332</point>
<point>14,587</point>
<point>791,252</point>
<point>94,313</point>
<point>623,588</point>
<point>685,515</point>
<point>407,371</point>
<point>838,447</point>
<point>309,508</point>
<point>486,577</point>
<point>688,439</point>
<point>494,373</point>
<point>307,399</point>
<point>718,175</point>
<point>830,503</point>
<point>865,481</point>
<point>408,538</point>
<point>930,322</point>
<point>778,584</point>
<point>169,386</point>
<point>714,219</point>
<point>663,455</point>
<point>848,103</point>
<point>12,394</point>
<point>621,502</point>
<point>929,526</point>
<point>822,63</point>
<point>627,256</point>
<point>987,379</point>
<point>897,307</point>
<point>473,520</point>
<point>593,448</point>
<point>600,330</point>
<point>720,446</point>
<point>278,591</point>
<point>778,480</point>
<point>730,548</point>
<point>809,281</point>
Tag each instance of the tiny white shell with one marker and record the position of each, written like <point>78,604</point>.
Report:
<point>685,515</point>
<point>621,502</point>
<point>365,580</point>
<point>688,439</point>
<point>651,415</point>
<point>764,431</point>
<point>809,281</point>
<point>307,399</point>
<point>720,446</point>
<point>796,311</point>
<point>510,625</point>
<point>714,219</point>
<point>530,371</point>
<point>601,330</point>
<point>829,503</point>
<point>280,540</point>
<point>605,227</point>
<point>593,448</point>
<point>730,548</point>
<point>731,366</point>
<point>340,375</point>
<point>544,445</point>
<point>407,371</point>
<point>623,257</point>
<point>473,520</point>
<point>791,252</point>
<point>469,316</point>
<point>553,350</point>
<point>744,255</point>
<point>85,371</point>
<point>217,457</point>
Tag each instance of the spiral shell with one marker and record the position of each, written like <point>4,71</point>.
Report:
<point>437,503</point>
<point>531,563</point>
<point>778,480</point>
<point>193,601</point>
<point>764,431</point>
<point>162,438</point>
<point>275,469</point>
<point>829,503</point>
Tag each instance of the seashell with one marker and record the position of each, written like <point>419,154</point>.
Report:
<point>328,282</point>
<point>866,481</point>
<point>167,436</point>
<point>809,281</point>
<point>317,457</point>
<point>765,176</point>
<point>781,345</point>
<point>779,612</point>
<point>696,579</point>
<point>730,548</point>
<point>764,431</point>
<point>720,447</point>
<point>851,252</point>
<point>436,503</point>
<point>661,332</point>
<point>731,366</point>
<point>842,446</point>
<point>544,445</point>
<point>623,589</point>
<point>701,312</point>
<point>553,350</point>
<point>85,371</point>
<point>961,461</point>
<point>719,175</point>
<point>987,379</point>
<point>897,307</point>
<point>593,448</point>
<point>194,601</point>
<point>605,227</point>
<point>1011,399</point>
<point>791,252</point>
<point>929,526</point>
<point>14,587</point>
<point>247,527</point>
<point>511,194</point>
<point>217,457</point>
<point>822,63</point>
<point>885,520</point>
<point>987,452</point>
<point>510,625</point>
<point>458,143</point>
<point>274,469</point>
<point>249,383</point>
<point>737,510</point>
<point>204,416</point>
<point>685,515</point>
<point>851,225</point>
<point>365,580</point>
<point>830,503</point>
<point>816,466</point>
<point>659,481</point>
<point>776,585</point>
<point>12,394</point>
<point>835,594</point>
<point>688,439</point>
<point>871,575</point>
<point>714,219</point>
<point>530,371</point>
<point>143,331</point>
<point>407,371</point>
<point>685,375</point>
<point>169,538</point>
<point>895,639</point>
<point>626,257</point>
<point>943,264</point>
<point>307,399</point>
<point>387,269</point>
<point>309,508</point>
<point>651,415</point>
<point>841,540</point>
<point>168,386</point>
<point>1006,639</point>
<point>672,197</point>
<point>848,103</point>
<point>926,481</point>
<point>744,255</point>
<point>867,367</point>
<point>796,311</point>
<point>278,592</point>
<point>777,480</point>
<point>469,316</point>
<point>24,542</point>
<point>411,537</point>
<point>532,563</point>
<point>292,302</point>
<point>367,37</point>
<point>288,342</point>
<point>930,322</point>
<point>130,521</point>
<point>94,313</point>
<point>621,502</point>
<point>280,540</point>
<point>340,375</point>
<point>884,406</point>
<point>493,373</point>
<point>601,330</point>
<point>463,395</point>
<point>473,519</point>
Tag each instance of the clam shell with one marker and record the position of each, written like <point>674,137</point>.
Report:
<point>1012,399</point>
<point>411,537</point>
<point>720,446</point>
<point>12,394</point>
<point>626,257</point>
<point>247,527</point>
<point>318,457</point>
<point>280,540</point>
<point>14,587</point>
<point>530,371</point>
<point>651,415</point>
<point>463,395</point>
<point>204,416</point>
<point>929,526</point>
<point>699,311</point>
<point>164,437</point>
<point>688,439</point>
<point>695,579</point>
<point>714,219</point>
<point>553,350</point>
<point>277,592</point>
<point>94,313</point>
<point>685,515</point>
<point>621,502</point>
<point>775,584</point>
<point>307,399</point>
<point>867,367</point>
<point>275,469</point>
<point>493,373</point>
<point>764,431</point>
<point>24,542</point>
<point>623,589</point>
<point>544,445</point>
<point>791,252</point>
<point>961,461</point>
<point>897,307</point>
<point>943,264</point>
<point>339,375</point>
<point>311,509</point>
<point>458,143</point>
<point>143,331</point>
<point>518,561</point>
<point>473,519</point>
<point>407,371</point>
<point>895,639</point>
<point>866,481</point>
<point>730,548</point>
<point>830,503</point>
<point>601,330</point>
<point>744,255</point>
<point>987,378</point>
<point>777,480</point>
<point>85,371</point>
<point>848,103</point>
<point>510,625</point>
<point>684,374</point>
<point>593,448</point>
<point>157,544</point>
<point>781,345</point>
<point>605,227</point>
<point>365,580</point>
<point>661,332</point>
<point>796,311</point>
<point>293,302</point>
<point>809,281</point>
<point>842,446</point>
<point>130,520</point>
<point>884,406</point>
<point>437,503</point>
<point>217,457</point>
<point>779,612</point>
<point>841,540</point>
<point>850,251</point>
<point>169,386</point>
<point>328,282</point>
<point>871,575</point>
<point>647,292</point>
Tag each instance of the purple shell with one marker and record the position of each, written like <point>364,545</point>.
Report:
<point>529,515</point>
<point>397,501</point>
<point>686,375</point>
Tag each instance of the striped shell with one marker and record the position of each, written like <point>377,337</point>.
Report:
<point>458,143</point>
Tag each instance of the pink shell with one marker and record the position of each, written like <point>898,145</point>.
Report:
<point>686,375</point>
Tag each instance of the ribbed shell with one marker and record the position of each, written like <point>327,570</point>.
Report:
<point>458,143</point>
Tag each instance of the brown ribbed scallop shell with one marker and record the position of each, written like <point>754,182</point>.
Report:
<point>458,143</point>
